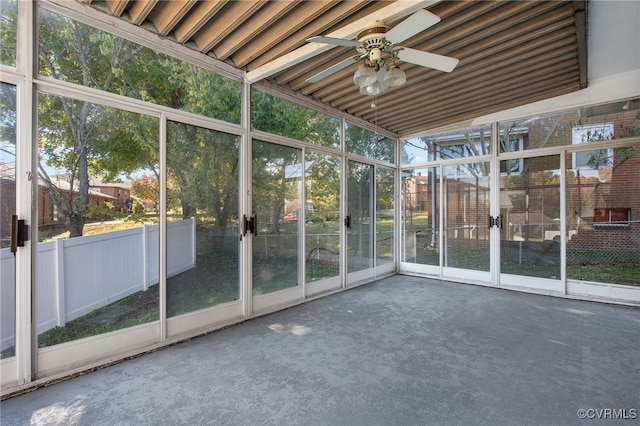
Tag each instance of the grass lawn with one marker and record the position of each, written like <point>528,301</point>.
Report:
<point>215,279</point>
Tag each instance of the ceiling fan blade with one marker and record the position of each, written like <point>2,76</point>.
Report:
<point>414,24</point>
<point>332,70</point>
<point>427,59</point>
<point>334,41</point>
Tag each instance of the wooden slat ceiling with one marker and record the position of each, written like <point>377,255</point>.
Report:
<point>511,52</point>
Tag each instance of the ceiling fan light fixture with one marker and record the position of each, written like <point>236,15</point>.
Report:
<point>364,76</point>
<point>395,77</point>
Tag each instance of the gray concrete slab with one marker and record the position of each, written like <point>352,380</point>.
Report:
<point>401,351</point>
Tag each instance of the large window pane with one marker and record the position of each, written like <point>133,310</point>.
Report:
<point>530,215</point>
<point>599,123</point>
<point>369,144</point>
<point>385,215</point>
<point>282,117</point>
<point>98,250</point>
<point>445,146</point>
<point>202,218</point>
<point>277,195</point>
<point>322,226</point>
<point>8,32</point>
<point>420,216</point>
<point>603,216</point>
<point>103,61</point>
<point>7,209</point>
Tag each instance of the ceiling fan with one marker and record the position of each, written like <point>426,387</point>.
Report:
<point>377,47</point>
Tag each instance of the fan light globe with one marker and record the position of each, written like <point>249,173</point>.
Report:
<point>372,89</point>
<point>395,77</point>
<point>364,76</point>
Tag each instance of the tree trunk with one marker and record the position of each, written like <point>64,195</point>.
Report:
<point>75,225</point>
<point>187,210</point>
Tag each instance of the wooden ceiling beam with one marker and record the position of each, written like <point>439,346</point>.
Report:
<point>307,13</point>
<point>117,7</point>
<point>226,21</point>
<point>253,28</point>
<point>140,9</point>
<point>580,8</point>
<point>169,13</point>
<point>424,124</point>
<point>479,99</point>
<point>199,16</point>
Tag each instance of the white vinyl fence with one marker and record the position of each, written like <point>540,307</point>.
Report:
<point>79,275</point>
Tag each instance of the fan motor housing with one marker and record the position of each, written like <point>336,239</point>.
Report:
<point>373,36</point>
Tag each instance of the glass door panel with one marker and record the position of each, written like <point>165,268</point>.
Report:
<point>8,208</point>
<point>421,215</point>
<point>276,201</point>
<point>466,215</point>
<point>97,218</point>
<point>360,208</point>
<point>322,217</point>
<point>530,217</point>
<point>202,218</point>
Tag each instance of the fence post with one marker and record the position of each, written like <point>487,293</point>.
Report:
<point>61,313</point>
<point>193,241</point>
<point>145,259</point>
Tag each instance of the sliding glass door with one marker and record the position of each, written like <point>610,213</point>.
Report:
<point>276,222</point>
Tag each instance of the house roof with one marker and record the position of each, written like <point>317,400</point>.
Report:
<point>511,52</point>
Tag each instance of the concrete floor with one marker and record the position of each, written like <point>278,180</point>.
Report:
<point>401,351</point>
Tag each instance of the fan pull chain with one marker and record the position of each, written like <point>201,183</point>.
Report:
<point>375,113</point>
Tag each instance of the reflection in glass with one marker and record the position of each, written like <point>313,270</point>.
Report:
<point>466,211</point>
<point>530,214</point>
<point>96,219</point>
<point>369,144</point>
<point>202,218</point>
<point>460,144</point>
<point>584,125</point>
<point>7,209</point>
<point>603,211</point>
<point>322,220</point>
<point>360,208</point>
<point>385,191</point>
<point>282,117</point>
<point>420,216</point>
<point>106,62</point>
<point>8,32</point>
<point>277,194</point>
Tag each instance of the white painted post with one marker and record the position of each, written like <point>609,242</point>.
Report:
<point>61,311</point>
<point>193,241</point>
<point>145,258</point>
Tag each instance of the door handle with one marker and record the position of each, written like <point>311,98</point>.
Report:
<point>19,233</point>
<point>250,225</point>
<point>347,221</point>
